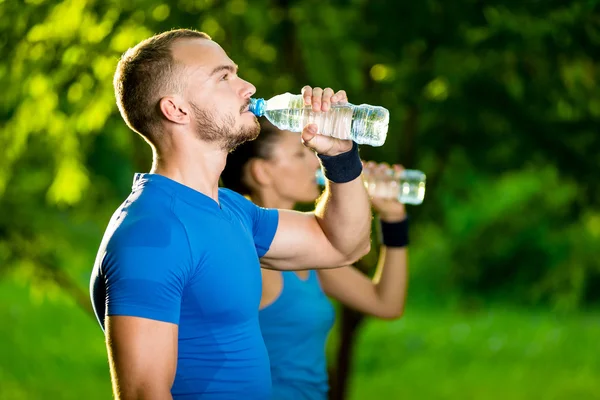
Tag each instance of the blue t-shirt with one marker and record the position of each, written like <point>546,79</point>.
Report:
<point>172,254</point>
<point>295,329</point>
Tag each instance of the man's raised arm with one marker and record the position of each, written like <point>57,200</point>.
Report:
<point>338,231</point>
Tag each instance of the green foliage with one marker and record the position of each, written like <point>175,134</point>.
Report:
<point>496,102</point>
<point>523,244</point>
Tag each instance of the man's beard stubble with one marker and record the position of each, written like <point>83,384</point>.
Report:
<point>209,131</point>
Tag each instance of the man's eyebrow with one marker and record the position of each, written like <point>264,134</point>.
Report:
<point>231,68</point>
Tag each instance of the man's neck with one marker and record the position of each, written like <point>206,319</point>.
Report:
<point>197,166</point>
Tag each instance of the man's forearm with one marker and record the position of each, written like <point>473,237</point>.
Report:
<point>344,214</point>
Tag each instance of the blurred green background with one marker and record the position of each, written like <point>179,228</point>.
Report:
<point>496,101</point>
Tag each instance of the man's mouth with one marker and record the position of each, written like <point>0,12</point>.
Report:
<point>245,107</point>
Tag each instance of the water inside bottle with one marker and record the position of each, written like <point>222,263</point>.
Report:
<point>407,187</point>
<point>411,187</point>
<point>364,124</point>
<point>337,122</point>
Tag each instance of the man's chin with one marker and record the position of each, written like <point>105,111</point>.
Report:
<point>255,127</point>
<point>250,132</point>
<point>245,134</point>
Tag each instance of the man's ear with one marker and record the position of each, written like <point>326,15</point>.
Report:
<point>259,173</point>
<point>174,109</point>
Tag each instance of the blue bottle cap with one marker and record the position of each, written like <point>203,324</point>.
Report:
<point>257,107</point>
<point>320,177</point>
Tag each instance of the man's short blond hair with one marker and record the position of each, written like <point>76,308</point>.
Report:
<point>146,73</point>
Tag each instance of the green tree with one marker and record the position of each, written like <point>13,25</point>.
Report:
<point>495,101</point>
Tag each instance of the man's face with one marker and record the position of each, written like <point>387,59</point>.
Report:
<point>218,98</point>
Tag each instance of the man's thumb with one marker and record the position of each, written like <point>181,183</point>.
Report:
<point>308,133</point>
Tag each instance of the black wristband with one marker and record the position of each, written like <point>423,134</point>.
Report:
<point>342,168</point>
<point>394,234</point>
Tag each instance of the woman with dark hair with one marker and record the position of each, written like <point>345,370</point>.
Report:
<point>277,171</point>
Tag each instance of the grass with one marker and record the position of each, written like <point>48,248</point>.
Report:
<point>50,349</point>
<point>499,354</point>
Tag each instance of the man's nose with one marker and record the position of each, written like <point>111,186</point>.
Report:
<point>246,89</point>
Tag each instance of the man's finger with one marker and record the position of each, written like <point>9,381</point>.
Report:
<point>326,101</point>
<point>340,97</point>
<point>307,95</point>
<point>317,97</point>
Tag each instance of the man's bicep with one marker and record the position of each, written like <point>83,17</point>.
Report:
<point>142,355</point>
<point>300,243</point>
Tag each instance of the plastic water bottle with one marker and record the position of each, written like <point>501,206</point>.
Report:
<point>407,187</point>
<point>363,124</point>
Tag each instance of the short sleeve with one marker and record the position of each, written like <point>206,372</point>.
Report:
<point>265,221</point>
<point>146,267</point>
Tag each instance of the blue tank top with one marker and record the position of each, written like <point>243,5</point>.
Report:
<point>295,329</point>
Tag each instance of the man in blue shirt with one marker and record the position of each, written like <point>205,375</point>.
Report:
<point>176,284</point>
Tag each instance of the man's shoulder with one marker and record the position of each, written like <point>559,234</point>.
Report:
<point>230,195</point>
<point>235,201</point>
<point>136,224</point>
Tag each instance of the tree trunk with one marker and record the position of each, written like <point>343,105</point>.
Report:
<point>339,378</point>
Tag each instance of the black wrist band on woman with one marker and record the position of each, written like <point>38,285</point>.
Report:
<point>394,234</point>
<point>342,168</point>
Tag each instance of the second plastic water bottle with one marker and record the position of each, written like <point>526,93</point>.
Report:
<point>363,124</point>
<point>407,187</point>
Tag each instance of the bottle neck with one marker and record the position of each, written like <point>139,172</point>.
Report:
<point>257,107</point>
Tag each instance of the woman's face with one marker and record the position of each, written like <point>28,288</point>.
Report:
<point>293,168</point>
